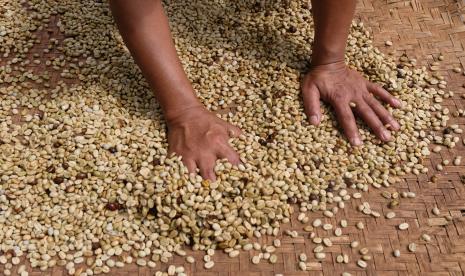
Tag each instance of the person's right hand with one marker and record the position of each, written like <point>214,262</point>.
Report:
<point>201,138</point>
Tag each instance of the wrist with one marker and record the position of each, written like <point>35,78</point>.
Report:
<point>330,66</point>
<point>323,56</point>
<point>175,115</point>
<point>178,102</point>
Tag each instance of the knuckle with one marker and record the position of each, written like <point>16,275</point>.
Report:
<point>208,162</point>
<point>386,115</point>
<point>188,159</point>
<point>232,156</point>
<point>235,131</point>
<point>218,139</point>
<point>344,114</point>
<point>215,137</point>
<point>368,97</point>
<point>348,121</point>
<point>352,127</point>
<point>378,127</point>
<point>225,149</point>
<point>338,97</point>
<point>373,85</point>
<point>205,169</point>
<point>228,153</point>
<point>362,109</point>
<point>350,131</point>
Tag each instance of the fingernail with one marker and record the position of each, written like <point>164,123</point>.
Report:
<point>395,125</point>
<point>385,135</point>
<point>397,103</point>
<point>356,141</point>
<point>314,120</point>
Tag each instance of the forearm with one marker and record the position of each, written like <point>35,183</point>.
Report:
<point>145,30</point>
<point>332,24</point>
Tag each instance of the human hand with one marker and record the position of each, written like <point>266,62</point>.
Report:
<point>345,89</point>
<point>201,138</point>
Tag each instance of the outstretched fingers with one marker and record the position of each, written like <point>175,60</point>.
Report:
<point>372,120</point>
<point>346,119</point>
<point>383,95</point>
<point>386,118</point>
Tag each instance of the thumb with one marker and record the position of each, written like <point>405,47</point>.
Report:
<point>311,98</point>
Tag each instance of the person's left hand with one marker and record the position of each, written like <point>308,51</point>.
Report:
<point>347,91</point>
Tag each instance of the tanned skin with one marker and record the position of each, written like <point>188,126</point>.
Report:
<point>198,135</point>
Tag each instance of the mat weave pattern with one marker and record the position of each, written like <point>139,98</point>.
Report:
<point>422,29</point>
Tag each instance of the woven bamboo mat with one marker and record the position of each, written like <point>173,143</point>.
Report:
<point>422,29</point>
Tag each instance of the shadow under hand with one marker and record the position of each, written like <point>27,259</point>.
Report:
<point>256,30</point>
